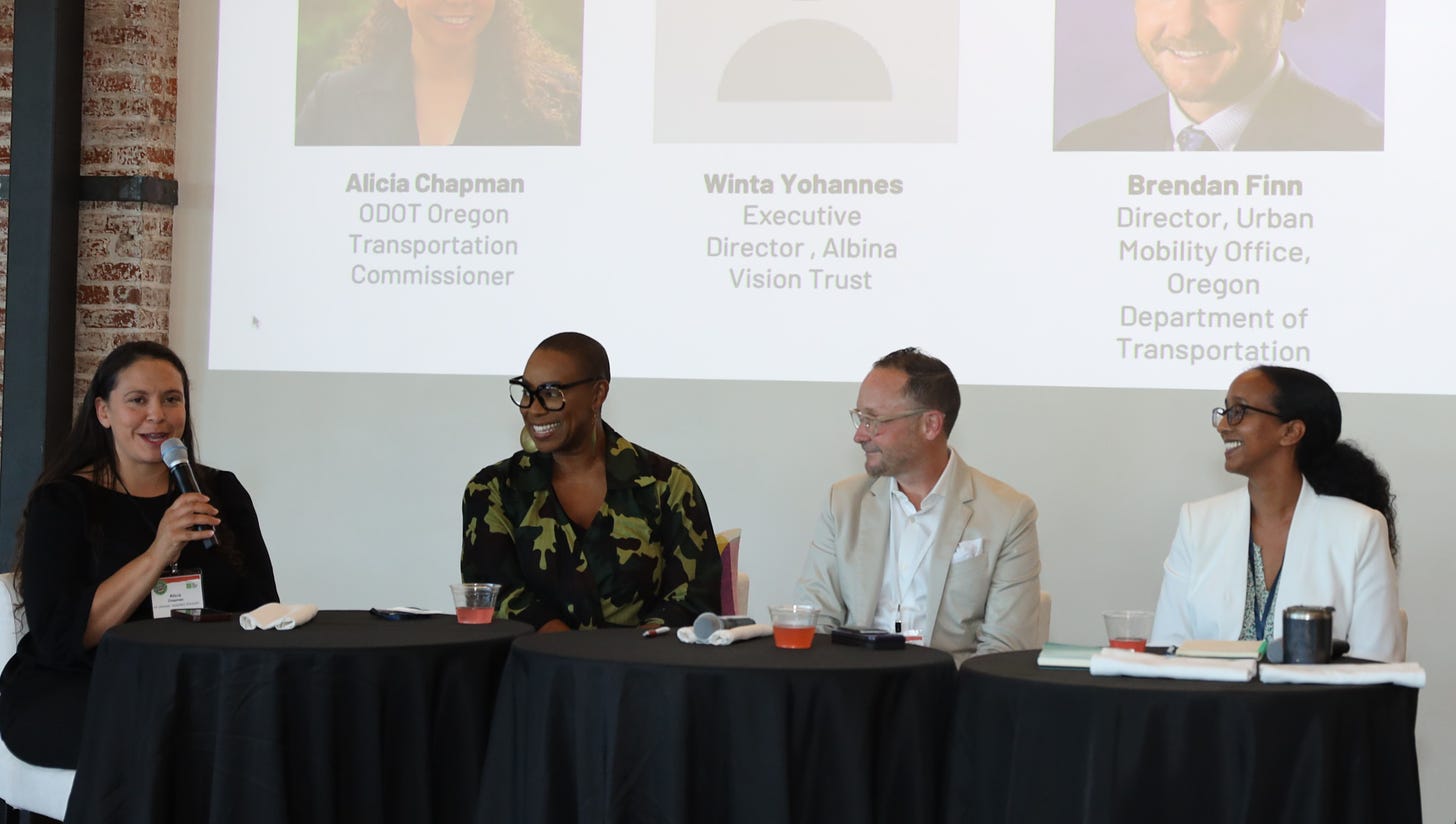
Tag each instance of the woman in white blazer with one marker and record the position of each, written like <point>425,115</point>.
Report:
<point>1315,525</point>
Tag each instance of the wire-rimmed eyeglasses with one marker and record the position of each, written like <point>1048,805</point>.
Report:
<point>552,395</point>
<point>872,424</point>
<point>1235,414</point>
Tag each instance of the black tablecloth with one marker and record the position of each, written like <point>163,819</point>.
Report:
<point>1040,745</point>
<point>611,727</point>
<point>349,718</point>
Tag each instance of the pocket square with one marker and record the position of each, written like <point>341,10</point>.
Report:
<point>966,550</point>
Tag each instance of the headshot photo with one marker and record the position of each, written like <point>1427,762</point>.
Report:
<point>807,71</point>
<point>1220,75</point>
<point>439,73</point>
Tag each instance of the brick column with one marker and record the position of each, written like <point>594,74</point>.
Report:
<point>124,266</point>
<point>7,65</point>
<point>129,128</point>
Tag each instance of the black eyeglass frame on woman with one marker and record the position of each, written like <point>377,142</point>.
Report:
<point>1235,414</point>
<point>548,393</point>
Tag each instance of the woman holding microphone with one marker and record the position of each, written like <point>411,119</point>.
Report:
<point>102,526</point>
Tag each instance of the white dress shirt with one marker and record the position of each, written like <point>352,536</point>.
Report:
<point>1225,127</point>
<point>903,590</point>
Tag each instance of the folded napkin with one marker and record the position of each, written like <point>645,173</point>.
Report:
<point>415,611</point>
<point>278,616</point>
<point>1406,675</point>
<point>1145,665</point>
<point>724,637</point>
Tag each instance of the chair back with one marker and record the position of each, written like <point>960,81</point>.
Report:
<point>1404,633</point>
<point>1043,619</point>
<point>733,590</point>
<point>740,594</point>
<point>43,790</point>
<point>12,620</point>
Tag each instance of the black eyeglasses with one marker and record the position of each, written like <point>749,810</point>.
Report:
<point>551,395</point>
<point>1235,414</point>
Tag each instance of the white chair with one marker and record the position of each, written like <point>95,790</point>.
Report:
<point>42,790</point>
<point>1043,620</point>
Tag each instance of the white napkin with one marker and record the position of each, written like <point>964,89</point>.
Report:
<point>1144,665</point>
<point>416,610</point>
<point>724,637</point>
<point>278,616</point>
<point>1407,675</point>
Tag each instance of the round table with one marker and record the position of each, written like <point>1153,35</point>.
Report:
<point>1031,744</point>
<point>610,726</point>
<point>349,718</point>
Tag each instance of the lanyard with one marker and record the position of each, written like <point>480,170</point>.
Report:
<point>900,584</point>
<point>1261,617</point>
<point>153,526</point>
<point>898,530</point>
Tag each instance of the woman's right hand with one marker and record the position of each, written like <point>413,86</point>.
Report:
<point>175,531</point>
<point>126,589</point>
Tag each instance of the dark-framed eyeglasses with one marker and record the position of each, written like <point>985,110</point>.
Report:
<point>1235,414</point>
<point>551,395</point>
<point>872,424</point>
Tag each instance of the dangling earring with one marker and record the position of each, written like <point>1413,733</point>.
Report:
<point>528,443</point>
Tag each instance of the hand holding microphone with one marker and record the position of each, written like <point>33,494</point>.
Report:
<point>174,455</point>
<point>189,514</point>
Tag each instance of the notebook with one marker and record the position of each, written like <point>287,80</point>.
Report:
<point>1221,649</point>
<point>1066,656</point>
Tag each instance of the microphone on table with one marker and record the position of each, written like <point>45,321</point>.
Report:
<point>710,622</point>
<point>174,455</point>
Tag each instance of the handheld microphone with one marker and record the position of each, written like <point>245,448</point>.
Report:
<point>710,622</point>
<point>174,455</point>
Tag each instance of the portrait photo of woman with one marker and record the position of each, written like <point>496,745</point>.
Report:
<point>439,73</point>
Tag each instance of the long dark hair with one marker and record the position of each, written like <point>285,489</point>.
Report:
<point>89,445</point>
<point>511,57</point>
<point>1332,466</point>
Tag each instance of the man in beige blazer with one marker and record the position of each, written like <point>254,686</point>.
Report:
<point>923,543</point>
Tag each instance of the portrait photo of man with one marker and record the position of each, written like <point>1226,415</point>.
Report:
<point>1228,82</point>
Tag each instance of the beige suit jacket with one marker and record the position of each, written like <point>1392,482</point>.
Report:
<point>983,573</point>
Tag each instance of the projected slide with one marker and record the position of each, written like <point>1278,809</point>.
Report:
<point>1066,194</point>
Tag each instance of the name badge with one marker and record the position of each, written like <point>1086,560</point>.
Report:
<point>180,591</point>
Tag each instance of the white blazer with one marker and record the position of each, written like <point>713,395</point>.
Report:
<point>1338,554</point>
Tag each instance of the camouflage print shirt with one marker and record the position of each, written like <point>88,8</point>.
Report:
<point>649,553</point>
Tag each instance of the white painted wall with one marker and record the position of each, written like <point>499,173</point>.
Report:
<point>357,478</point>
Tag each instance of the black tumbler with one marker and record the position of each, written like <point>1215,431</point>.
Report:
<point>1308,634</point>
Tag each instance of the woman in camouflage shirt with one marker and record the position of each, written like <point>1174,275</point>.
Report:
<point>588,529</point>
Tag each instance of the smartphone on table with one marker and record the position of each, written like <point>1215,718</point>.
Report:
<point>202,615</point>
